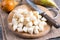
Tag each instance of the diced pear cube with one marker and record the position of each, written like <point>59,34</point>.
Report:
<point>27,19</point>
<point>14,21</point>
<point>21,19</point>
<point>30,30</point>
<point>36,22</point>
<point>36,27</point>
<point>20,25</point>
<point>25,29</point>
<point>43,19</point>
<point>29,24</point>
<point>36,31</point>
<point>20,29</point>
<point>14,27</point>
<point>41,28</point>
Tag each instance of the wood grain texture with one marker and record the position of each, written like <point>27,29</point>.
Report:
<point>8,35</point>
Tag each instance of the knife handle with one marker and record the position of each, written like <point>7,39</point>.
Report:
<point>50,20</point>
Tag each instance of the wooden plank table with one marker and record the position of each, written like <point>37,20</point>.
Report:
<point>7,35</point>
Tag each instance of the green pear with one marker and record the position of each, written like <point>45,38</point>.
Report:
<point>48,3</point>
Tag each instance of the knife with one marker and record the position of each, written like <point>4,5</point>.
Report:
<point>49,19</point>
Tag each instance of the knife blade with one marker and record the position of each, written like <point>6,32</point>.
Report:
<point>49,19</point>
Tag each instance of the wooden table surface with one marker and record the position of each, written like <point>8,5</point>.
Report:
<point>57,1</point>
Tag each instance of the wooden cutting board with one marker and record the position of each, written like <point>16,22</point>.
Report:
<point>8,35</point>
<point>26,35</point>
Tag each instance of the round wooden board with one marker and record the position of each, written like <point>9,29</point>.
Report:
<point>26,35</point>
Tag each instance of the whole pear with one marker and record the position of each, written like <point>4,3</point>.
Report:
<point>8,5</point>
<point>48,3</point>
